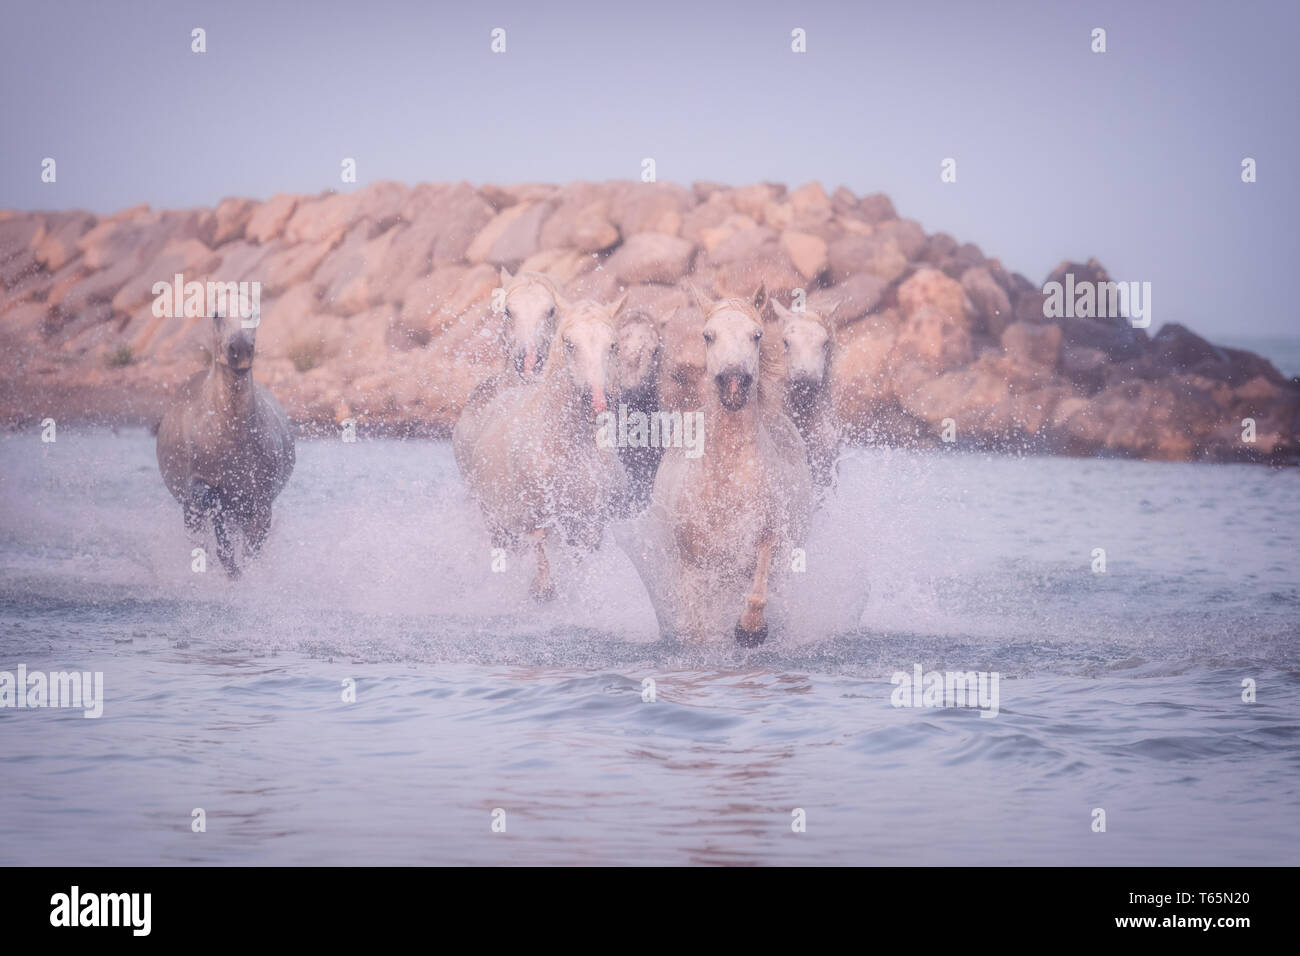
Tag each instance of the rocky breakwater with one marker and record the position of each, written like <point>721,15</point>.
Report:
<point>376,306</point>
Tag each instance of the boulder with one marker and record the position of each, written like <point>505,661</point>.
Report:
<point>582,224</point>
<point>876,208</point>
<point>930,288</point>
<point>58,241</point>
<point>227,222</point>
<point>854,255</point>
<point>1033,344</point>
<point>649,207</point>
<point>806,252</point>
<point>652,257</point>
<point>850,300</point>
<point>268,220</point>
<point>991,305</point>
<point>933,338</point>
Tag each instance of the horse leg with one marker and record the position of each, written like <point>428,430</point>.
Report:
<point>223,523</point>
<point>199,505</point>
<point>542,588</point>
<point>752,629</point>
<point>255,529</point>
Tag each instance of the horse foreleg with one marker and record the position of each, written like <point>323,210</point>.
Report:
<point>752,629</point>
<point>255,529</point>
<point>542,588</point>
<point>200,504</point>
<point>221,525</point>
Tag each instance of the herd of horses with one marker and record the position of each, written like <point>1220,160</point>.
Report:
<point>721,524</point>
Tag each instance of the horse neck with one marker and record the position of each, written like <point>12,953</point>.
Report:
<point>811,412</point>
<point>731,434</point>
<point>556,406</point>
<point>229,393</point>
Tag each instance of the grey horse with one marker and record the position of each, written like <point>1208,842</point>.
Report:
<point>225,448</point>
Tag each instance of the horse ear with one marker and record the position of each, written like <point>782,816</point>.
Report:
<point>617,306</point>
<point>698,297</point>
<point>506,277</point>
<point>782,312</point>
<point>760,298</point>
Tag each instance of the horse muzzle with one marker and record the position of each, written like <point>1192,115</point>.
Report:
<point>239,354</point>
<point>733,389</point>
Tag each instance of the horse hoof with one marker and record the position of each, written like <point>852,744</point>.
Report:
<point>750,638</point>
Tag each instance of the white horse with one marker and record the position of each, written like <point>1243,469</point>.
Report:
<point>528,326</point>
<point>728,514</point>
<point>225,448</point>
<point>808,341</point>
<point>535,467</point>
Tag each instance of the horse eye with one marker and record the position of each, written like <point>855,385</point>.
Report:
<point>551,314</point>
<point>508,315</point>
<point>758,335</point>
<point>568,345</point>
<point>708,337</point>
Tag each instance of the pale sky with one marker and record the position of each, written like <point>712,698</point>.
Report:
<point>1132,156</point>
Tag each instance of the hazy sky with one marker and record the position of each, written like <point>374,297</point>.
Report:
<point>1132,156</point>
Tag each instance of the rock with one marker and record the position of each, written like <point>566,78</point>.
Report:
<point>1033,344</point>
<point>652,257</point>
<point>851,300</point>
<point>502,197</point>
<point>1158,420</point>
<point>381,204</point>
<point>876,208</point>
<point>268,220</point>
<point>1238,368</point>
<point>860,372</point>
<point>324,220</point>
<point>768,267</point>
<point>907,233</point>
<point>188,257</point>
<point>854,255</point>
<point>992,306</point>
<point>227,222</point>
<point>396,258</point>
<point>930,288</point>
<point>343,281</point>
<point>1084,366</point>
<point>807,252</point>
<point>292,264</point>
<point>708,215</point>
<point>934,338</point>
<point>649,207</point>
<point>1177,347</point>
<point>752,201</point>
<point>511,237</point>
<point>738,238</point>
<point>464,215</point>
<point>810,203</point>
<point>1117,341</point>
<point>58,242</point>
<point>582,224</point>
<point>432,305</point>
